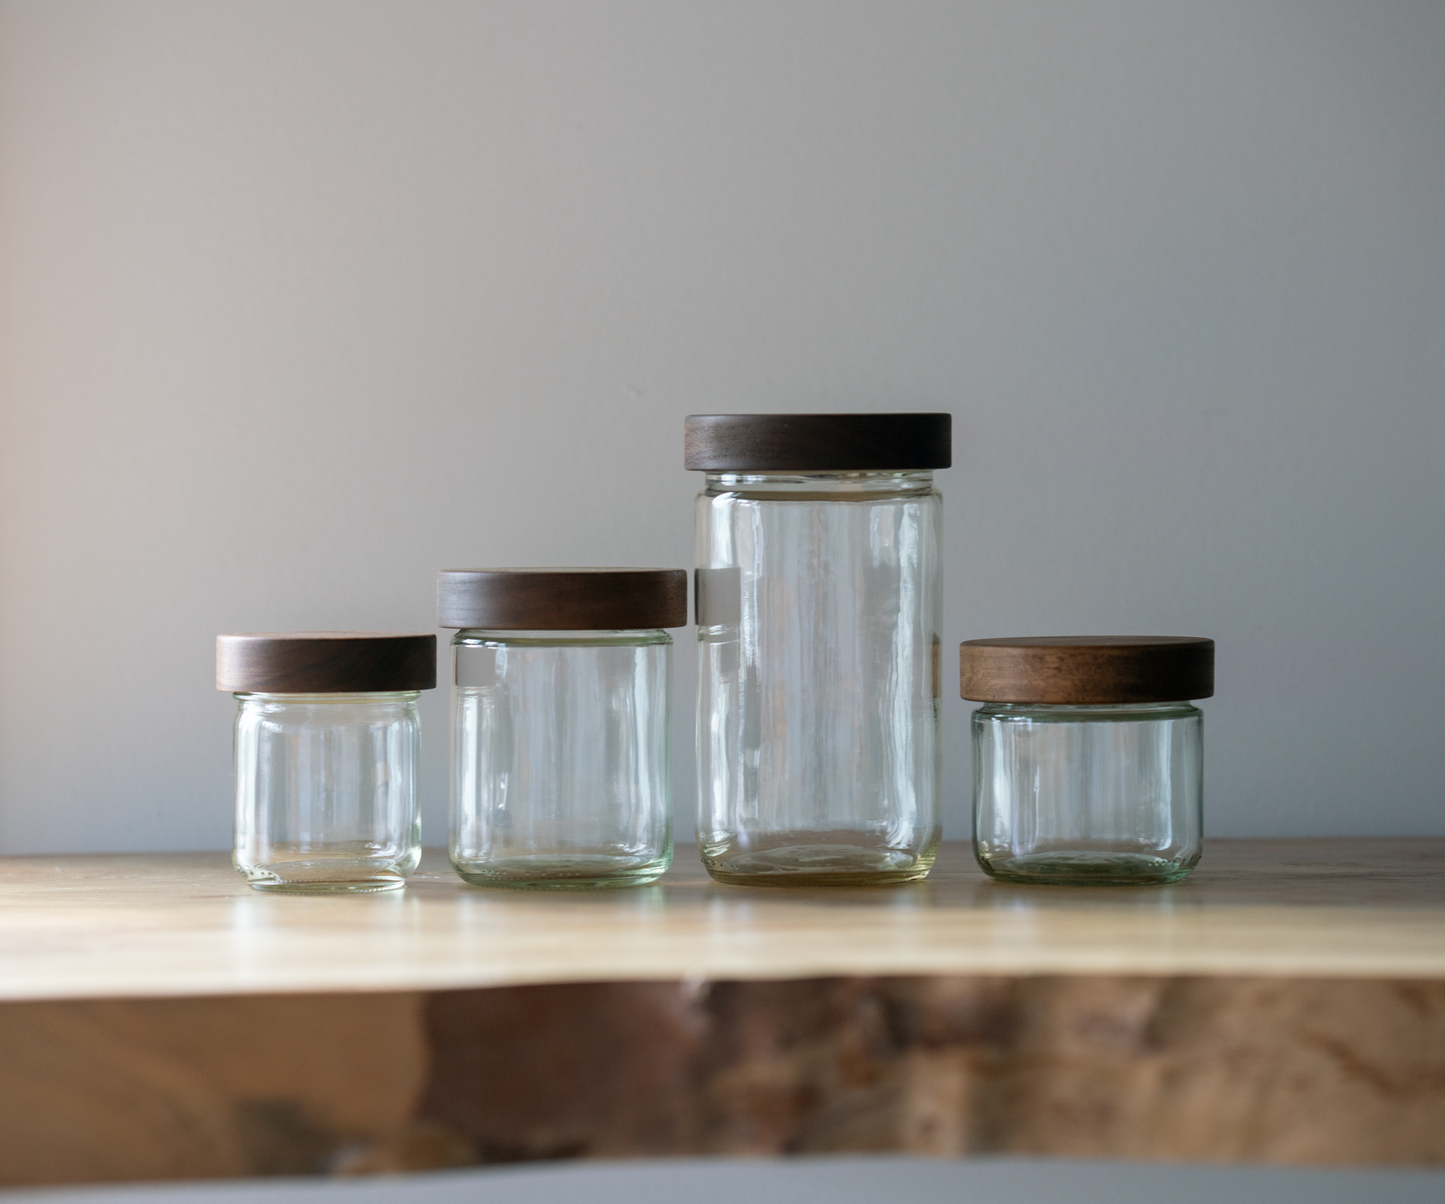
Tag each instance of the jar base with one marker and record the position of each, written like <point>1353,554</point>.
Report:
<point>1086,868</point>
<point>799,863</point>
<point>562,871</point>
<point>329,888</point>
<point>329,875</point>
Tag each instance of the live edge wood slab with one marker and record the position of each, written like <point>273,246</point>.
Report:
<point>159,1020</point>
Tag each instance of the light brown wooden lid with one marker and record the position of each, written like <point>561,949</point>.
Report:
<point>325,662</point>
<point>817,442</point>
<point>1087,669</point>
<point>567,599</point>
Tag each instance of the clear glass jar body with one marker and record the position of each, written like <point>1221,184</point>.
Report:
<point>561,753</point>
<point>326,791</point>
<point>818,747</point>
<point>1088,795</point>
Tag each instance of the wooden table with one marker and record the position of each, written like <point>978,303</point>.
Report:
<point>161,1020</point>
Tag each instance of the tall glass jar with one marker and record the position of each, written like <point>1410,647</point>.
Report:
<point>1087,758</point>
<point>561,724</point>
<point>327,741</point>
<point>818,610</point>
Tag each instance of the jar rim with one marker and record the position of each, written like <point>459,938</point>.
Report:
<point>1090,708</point>
<point>560,636</point>
<point>309,697</point>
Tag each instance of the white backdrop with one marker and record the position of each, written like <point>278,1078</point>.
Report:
<point>303,300</point>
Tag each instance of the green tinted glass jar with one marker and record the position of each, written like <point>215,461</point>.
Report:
<point>819,605</point>
<point>327,741</point>
<point>1087,757</point>
<point>561,724</point>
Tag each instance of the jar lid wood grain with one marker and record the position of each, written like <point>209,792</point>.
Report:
<point>325,662</point>
<point>562,599</point>
<point>1081,670</point>
<point>817,442</point>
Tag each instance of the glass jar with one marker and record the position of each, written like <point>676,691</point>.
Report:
<point>326,747</point>
<point>561,724</point>
<point>818,607</point>
<point>1088,766</point>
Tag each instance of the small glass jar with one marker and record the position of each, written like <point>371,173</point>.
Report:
<point>561,724</point>
<point>818,606</point>
<point>1087,764</point>
<point>326,747</point>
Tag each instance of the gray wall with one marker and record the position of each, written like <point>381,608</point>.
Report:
<point>302,300</point>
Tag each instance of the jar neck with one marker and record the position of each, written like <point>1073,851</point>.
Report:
<point>369,696</point>
<point>630,636</point>
<point>840,484</point>
<point>1061,710</point>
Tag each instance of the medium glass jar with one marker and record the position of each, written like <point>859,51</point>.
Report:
<point>326,747</point>
<point>1087,763</point>
<point>561,724</point>
<point>818,607</point>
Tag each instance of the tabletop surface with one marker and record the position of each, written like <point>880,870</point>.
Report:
<point>175,924</point>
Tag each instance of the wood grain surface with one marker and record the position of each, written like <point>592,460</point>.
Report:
<point>817,442</point>
<point>1284,1005</point>
<point>1084,670</point>
<point>325,662</point>
<point>581,599</point>
<point>185,924</point>
<point>1201,1069</point>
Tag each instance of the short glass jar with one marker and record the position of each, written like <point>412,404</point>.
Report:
<point>327,741</point>
<point>561,724</point>
<point>818,606</point>
<point>1087,766</point>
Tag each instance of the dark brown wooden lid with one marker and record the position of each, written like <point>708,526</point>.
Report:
<point>816,442</point>
<point>325,662</point>
<point>1085,669</point>
<point>562,599</point>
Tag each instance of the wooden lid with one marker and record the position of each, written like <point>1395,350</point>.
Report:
<point>817,442</point>
<point>562,599</point>
<point>325,662</point>
<point>1084,669</point>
